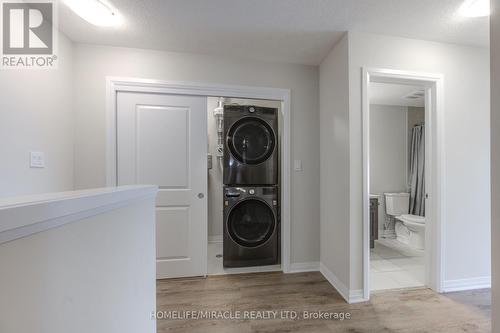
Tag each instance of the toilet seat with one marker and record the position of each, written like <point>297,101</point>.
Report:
<point>412,218</point>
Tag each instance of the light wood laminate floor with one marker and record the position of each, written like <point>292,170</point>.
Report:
<point>418,310</point>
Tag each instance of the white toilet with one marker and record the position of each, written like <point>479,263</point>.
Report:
<point>410,229</point>
<point>416,228</point>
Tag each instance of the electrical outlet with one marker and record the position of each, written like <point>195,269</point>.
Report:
<point>37,159</point>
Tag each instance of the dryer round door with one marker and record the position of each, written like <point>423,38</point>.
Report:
<point>251,223</point>
<point>251,140</point>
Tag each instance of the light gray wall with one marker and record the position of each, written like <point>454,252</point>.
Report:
<point>466,146</point>
<point>215,180</point>
<point>94,63</point>
<point>334,128</point>
<point>36,115</point>
<point>495,162</point>
<point>388,152</point>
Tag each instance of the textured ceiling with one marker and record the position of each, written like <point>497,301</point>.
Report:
<point>294,31</point>
<point>394,94</point>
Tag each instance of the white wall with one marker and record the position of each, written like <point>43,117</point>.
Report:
<point>334,128</point>
<point>388,152</point>
<point>36,115</point>
<point>466,145</point>
<point>495,162</point>
<point>94,63</point>
<point>95,275</point>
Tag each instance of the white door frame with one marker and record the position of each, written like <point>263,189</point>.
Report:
<point>435,177</point>
<point>120,84</point>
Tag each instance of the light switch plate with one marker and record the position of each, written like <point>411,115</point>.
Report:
<point>297,165</point>
<point>37,159</point>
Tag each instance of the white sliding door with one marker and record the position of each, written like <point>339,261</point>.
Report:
<point>162,140</point>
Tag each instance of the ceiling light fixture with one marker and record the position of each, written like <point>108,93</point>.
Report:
<point>96,12</point>
<point>475,8</point>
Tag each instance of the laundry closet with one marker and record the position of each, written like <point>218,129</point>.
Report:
<point>244,160</point>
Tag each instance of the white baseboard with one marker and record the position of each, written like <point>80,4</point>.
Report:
<point>215,239</point>
<point>298,267</point>
<point>356,296</point>
<point>467,284</point>
<point>335,282</point>
<point>350,296</point>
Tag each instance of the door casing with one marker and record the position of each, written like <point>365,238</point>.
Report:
<point>120,84</point>
<point>435,172</point>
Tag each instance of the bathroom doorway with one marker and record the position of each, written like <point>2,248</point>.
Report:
<point>401,206</point>
<point>397,186</point>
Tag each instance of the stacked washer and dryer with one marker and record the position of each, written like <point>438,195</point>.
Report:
<point>251,233</point>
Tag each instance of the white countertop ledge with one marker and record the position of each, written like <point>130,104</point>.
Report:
<point>26,215</point>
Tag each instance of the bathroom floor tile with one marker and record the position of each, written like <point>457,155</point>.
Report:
<point>407,263</point>
<point>394,265</point>
<point>383,265</point>
<point>407,279</point>
<point>383,281</point>
<point>374,256</point>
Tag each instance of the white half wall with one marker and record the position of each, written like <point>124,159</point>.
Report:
<point>94,63</point>
<point>334,157</point>
<point>466,146</point>
<point>495,163</point>
<point>96,274</point>
<point>36,114</point>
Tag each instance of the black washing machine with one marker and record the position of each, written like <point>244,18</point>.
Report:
<point>251,226</point>
<point>251,145</point>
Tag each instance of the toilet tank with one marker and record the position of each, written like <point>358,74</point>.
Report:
<point>397,203</point>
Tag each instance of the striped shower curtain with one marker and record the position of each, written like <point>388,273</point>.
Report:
<point>417,168</point>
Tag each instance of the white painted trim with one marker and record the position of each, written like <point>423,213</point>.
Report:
<point>351,297</point>
<point>299,267</point>
<point>24,216</point>
<point>335,281</point>
<point>366,182</point>
<point>356,296</point>
<point>407,157</point>
<point>435,219</point>
<point>118,84</point>
<point>215,239</point>
<point>467,284</point>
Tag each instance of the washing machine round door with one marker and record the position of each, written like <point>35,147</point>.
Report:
<point>251,140</point>
<point>251,223</point>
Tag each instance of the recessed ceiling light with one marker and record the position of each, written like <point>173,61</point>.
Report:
<point>96,12</point>
<point>475,8</point>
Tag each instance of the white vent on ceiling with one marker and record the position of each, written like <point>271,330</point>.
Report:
<point>418,94</point>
